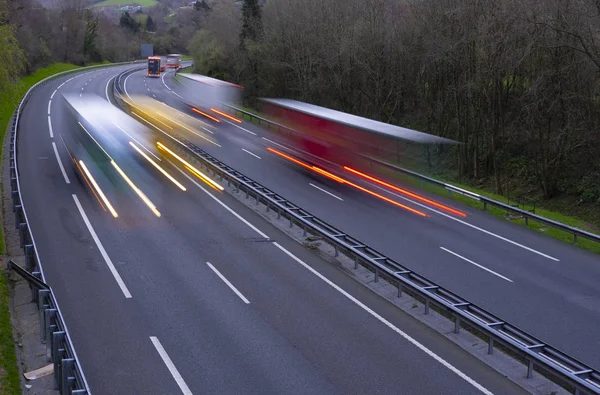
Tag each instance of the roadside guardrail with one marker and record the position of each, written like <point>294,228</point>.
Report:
<point>527,215</point>
<point>68,374</point>
<point>572,374</point>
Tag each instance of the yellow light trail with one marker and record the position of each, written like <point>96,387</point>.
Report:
<point>197,172</point>
<point>158,167</point>
<point>136,189</point>
<point>187,128</point>
<point>95,184</point>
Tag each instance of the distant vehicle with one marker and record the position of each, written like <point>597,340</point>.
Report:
<point>163,61</point>
<point>174,61</point>
<point>154,68</point>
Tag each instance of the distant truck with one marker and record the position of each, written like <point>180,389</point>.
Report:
<point>154,68</point>
<point>174,61</point>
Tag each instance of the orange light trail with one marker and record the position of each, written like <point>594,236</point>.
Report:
<point>234,119</point>
<point>206,115</point>
<point>343,181</point>
<point>405,192</point>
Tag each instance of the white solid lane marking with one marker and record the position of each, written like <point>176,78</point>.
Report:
<point>49,103</point>
<point>230,285</point>
<point>107,259</point>
<point>106,90</point>
<point>414,342</point>
<point>125,86</point>
<point>148,89</point>
<point>327,192</point>
<point>50,127</point>
<point>248,152</point>
<point>53,93</point>
<point>347,295</point>
<point>476,264</point>
<point>239,127</point>
<point>469,225</point>
<point>153,95</point>
<point>62,169</point>
<point>82,88</point>
<point>171,366</point>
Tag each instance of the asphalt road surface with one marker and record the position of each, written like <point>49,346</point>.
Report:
<point>196,301</point>
<point>545,287</point>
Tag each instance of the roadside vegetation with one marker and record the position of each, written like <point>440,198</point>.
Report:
<point>515,82</point>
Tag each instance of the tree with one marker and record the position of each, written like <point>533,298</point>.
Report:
<point>150,26</point>
<point>251,22</point>
<point>12,56</point>
<point>89,40</point>
<point>129,23</point>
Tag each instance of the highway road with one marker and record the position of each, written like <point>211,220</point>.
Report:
<point>543,286</point>
<point>197,300</point>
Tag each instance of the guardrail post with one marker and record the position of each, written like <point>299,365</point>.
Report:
<point>529,369</point>
<point>457,324</point>
<point>526,221</point>
<point>574,237</point>
<point>17,216</point>
<point>66,367</point>
<point>22,230</point>
<point>15,197</point>
<point>291,221</point>
<point>376,275</point>
<point>34,294</point>
<point>29,262</point>
<point>336,250</point>
<point>426,306</point>
<point>13,183</point>
<point>278,212</point>
<point>42,295</point>
<point>50,327</point>
<point>491,346</point>
<point>356,262</point>
<point>399,290</point>
<point>257,199</point>
<point>57,338</point>
<point>484,205</point>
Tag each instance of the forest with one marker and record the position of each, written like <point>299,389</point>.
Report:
<point>514,81</point>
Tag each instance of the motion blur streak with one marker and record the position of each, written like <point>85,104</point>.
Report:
<point>201,176</point>
<point>343,181</point>
<point>95,184</point>
<point>136,189</point>
<point>187,128</point>
<point>95,141</point>
<point>296,161</point>
<point>173,180</point>
<point>205,114</point>
<point>150,116</point>
<point>88,184</point>
<point>405,192</point>
<point>197,172</point>
<point>234,119</point>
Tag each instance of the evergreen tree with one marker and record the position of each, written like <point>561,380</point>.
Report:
<point>150,25</point>
<point>251,22</point>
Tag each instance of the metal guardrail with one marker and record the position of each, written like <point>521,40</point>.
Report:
<point>576,376</point>
<point>68,374</point>
<point>527,215</point>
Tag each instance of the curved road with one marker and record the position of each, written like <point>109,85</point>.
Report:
<point>541,285</point>
<point>196,301</point>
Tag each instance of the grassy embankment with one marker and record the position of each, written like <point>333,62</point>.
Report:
<point>10,383</point>
<point>498,212</point>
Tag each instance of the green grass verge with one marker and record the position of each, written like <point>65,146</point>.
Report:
<point>496,211</point>
<point>187,57</point>
<point>10,383</point>
<point>145,3</point>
